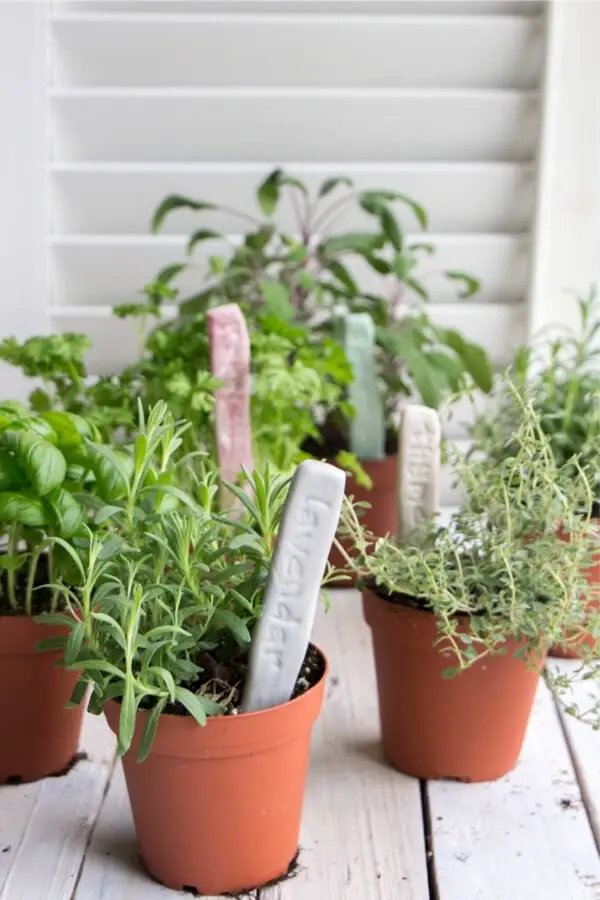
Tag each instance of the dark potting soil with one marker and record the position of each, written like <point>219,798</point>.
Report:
<point>41,597</point>
<point>332,440</point>
<point>224,679</point>
<point>395,597</point>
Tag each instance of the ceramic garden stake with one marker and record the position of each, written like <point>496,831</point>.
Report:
<point>419,467</point>
<point>307,529</point>
<point>230,363</point>
<point>367,428</point>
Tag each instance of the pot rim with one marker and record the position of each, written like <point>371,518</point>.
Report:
<point>247,716</point>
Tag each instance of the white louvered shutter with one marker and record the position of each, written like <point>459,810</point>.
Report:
<point>439,100</point>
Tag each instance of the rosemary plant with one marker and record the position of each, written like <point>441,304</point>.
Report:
<point>168,591</point>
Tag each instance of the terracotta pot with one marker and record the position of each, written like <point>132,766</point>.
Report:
<point>574,648</point>
<point>381,518</point>
<point>39,736</point>
<point>217,808</point>
<point>469,727</point>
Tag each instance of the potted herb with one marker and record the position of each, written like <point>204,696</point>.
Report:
<point>169,601</point>
<point>44,463</point>
<point>562,376</point>
<point>312,275</point>
<point>294,382</point>
<point>461,616</point>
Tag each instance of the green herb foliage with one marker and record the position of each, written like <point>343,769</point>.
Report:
<point>46,461</point>
<point>562,377</point>
<point>168,591</point>
<point>499,561</point>
<point>307,275</point>
<point>296,382</point>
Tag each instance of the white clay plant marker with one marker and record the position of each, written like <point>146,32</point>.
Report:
<point>367,428</point>
<point>308,525</point>
<point>230,363</point>
<point>419,468</point>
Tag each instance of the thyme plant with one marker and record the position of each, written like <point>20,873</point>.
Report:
<point>497,571</point>
<point>168,591</point>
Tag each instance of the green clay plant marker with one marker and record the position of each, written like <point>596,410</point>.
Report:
<point>367,428</point>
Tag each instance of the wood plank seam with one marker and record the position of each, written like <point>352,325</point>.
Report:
<point>111,772</point>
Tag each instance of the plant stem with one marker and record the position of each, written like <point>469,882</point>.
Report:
<point>13,544</point>
<point>31,573</point>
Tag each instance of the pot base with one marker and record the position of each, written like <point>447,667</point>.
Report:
<point>267,882</point>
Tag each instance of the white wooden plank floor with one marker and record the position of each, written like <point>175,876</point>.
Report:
<point>369,833</point>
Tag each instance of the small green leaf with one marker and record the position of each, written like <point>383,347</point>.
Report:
<point>74,642</point>
<point>68,513</point>
<point>57,642</point>
<point>68,428</point>
<point>79,692</point>
<point>192,703</point>
<point>351,242</point>
<point>227,619</point>
<point>106,512</point>
<point>470,284</point>
<point>339,271</point>
<point>22,509</point>
<point>268,192</point>
<point>204,234</point>
<point>473,357</point>
<point>150,726</point>
<point>166,275</point>
<point>127,716</point>
<point>330,184</point>
<point>10,563</point>
<point>40,400</point>
<point>111,470</point>
<point>173,202</point>
<point>43,463</point>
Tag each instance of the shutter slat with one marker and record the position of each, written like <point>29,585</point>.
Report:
<point>321,7</point>
<point>391,125</point>
<point>283,50</point>
<point>121,198</point>
<point>111,269</point>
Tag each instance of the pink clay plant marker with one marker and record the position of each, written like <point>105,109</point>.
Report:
<point>230,363</point>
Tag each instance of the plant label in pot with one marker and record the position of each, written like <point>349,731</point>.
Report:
<point>418,467</point>
<point>230,363</point>
<point>308,525</point>
<point>367,427</point>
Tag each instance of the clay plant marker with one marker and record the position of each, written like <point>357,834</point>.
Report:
<point>419,467</point>
<point>281,637</point>
<point>230,363</point>
<point>367,428</point>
